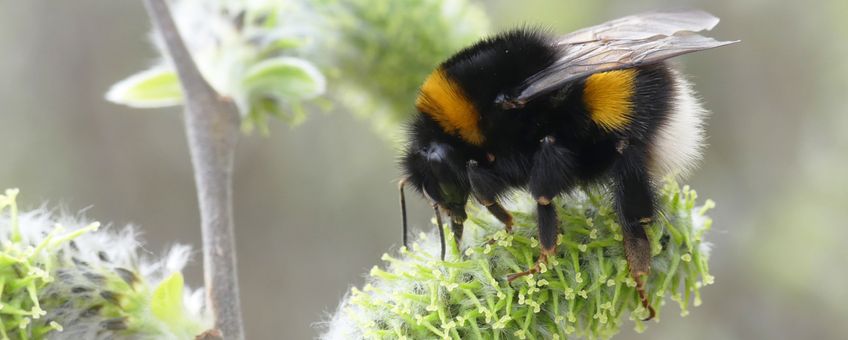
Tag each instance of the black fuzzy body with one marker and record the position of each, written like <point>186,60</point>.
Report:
<point>548,147</point>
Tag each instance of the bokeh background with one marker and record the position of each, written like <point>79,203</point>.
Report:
<point>316,205</point>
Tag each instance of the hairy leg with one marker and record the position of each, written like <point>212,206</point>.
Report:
<point>548,178</point>
<point>635,202</point>
<point>486,186</point>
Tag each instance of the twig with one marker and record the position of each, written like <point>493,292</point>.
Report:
<point>212,128</point>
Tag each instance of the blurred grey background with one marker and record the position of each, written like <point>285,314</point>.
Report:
<point>316,205</point>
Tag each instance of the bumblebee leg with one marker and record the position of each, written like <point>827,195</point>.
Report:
<point>486,186</point>
<point>458,217</point>
<point>549,175</point>
<point>543,258</point>
<point>548,179</point>
<point>547,238</point>
<point>636,208</point>
<point>441,228</point>
<point>637,249</point>
<point>456,227</point>
<point>497,210</point>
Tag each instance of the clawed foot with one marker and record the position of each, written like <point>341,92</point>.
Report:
<point>543,258</point>
<point>643,296</point>
<point>500,213</point>
<point>638,253</point>
<point>507,229</point>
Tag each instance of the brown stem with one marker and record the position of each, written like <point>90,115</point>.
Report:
<point>212,128</point>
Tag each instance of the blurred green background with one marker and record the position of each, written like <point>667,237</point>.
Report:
<point>316,205</point>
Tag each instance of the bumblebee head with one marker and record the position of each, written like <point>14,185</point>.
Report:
<point>437,171</point>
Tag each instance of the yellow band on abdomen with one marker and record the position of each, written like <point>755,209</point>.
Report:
<point>608,96</point>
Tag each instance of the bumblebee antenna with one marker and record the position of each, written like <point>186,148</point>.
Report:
<point>401,184</point>
<point>441,230</point>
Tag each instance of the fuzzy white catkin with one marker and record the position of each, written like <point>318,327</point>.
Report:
<point>584,292</point>
<point>106,248</point>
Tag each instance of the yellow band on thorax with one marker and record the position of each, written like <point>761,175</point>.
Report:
<point>445,102</point>
<point>608,96</point>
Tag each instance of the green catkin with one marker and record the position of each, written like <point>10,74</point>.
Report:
<point>585,291</point>
<point>51,286</point>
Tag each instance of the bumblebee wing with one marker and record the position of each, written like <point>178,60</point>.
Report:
<point>644,26</point>
<point>621,43</point>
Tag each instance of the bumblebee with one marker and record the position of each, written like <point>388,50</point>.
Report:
<point>531,111</point>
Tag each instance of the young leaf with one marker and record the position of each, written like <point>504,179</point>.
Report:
<point>167,301</point>
<point>152,88</point>
<point>289,79</point>
<point>167,306</point>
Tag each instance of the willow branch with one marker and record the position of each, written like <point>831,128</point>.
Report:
<point>212,128</point>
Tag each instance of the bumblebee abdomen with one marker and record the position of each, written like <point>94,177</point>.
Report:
<point>679,137</point>
<point>608,97</point>
<point>652,105</point>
